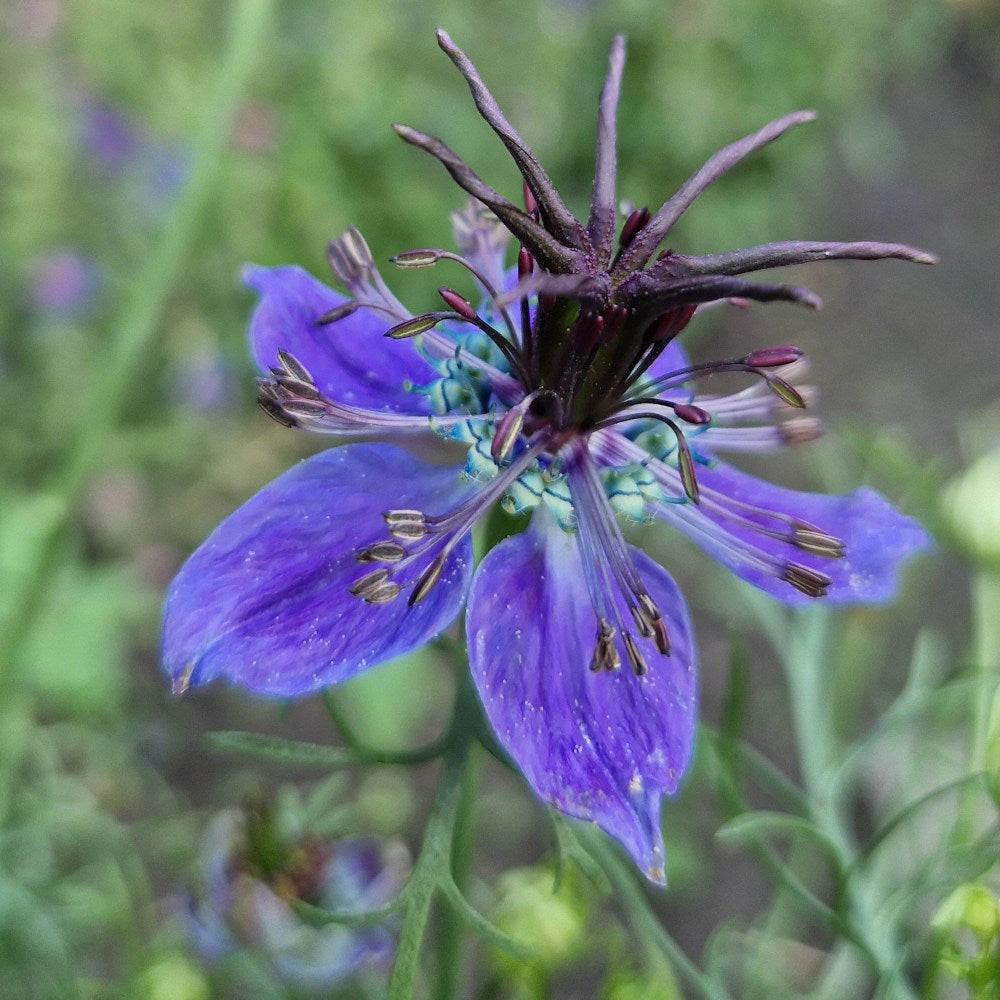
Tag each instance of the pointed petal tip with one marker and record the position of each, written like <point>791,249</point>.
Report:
<point>182,682</point>
<point>444,40</point>
<point>924,257</point>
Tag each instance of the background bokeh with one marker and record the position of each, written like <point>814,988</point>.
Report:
<point>149,150</point>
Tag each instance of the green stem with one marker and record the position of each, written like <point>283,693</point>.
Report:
<point>985,655</point>
<point>451,925</point>
<point>170,253</point>
<point>636,907</point>
<point>806,664</point>
<point>434,865</point>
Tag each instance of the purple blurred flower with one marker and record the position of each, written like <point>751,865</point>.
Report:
<point>63,282</point>
<point>565,395</point>
<point>250,872</point>
<point>111,138</point>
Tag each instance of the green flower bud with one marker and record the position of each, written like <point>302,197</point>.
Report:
<point>969,504</point>
<point>971,906</point>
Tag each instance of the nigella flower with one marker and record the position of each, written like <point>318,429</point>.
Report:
<point>568,397</point>
<point>252,868</point>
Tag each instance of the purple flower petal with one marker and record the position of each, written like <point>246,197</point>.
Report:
<point>350,360</point>
<point>264,601</point>
<point>603,746</point>
<point>876,537</point>
<point>673,359</point>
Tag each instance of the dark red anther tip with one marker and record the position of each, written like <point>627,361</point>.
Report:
<point>636,221</point>
<point>773,357</point>
<point>455,301</point>
<point>672,322</point>
<point>525,263</point>
<point>530,205</point>
<point>692,414</point>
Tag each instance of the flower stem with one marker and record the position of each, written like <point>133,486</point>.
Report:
<point>985,655</point>
<point>139,320</point>
<point>645,922</point>
<point>433,867</point>
<point>804,658</point>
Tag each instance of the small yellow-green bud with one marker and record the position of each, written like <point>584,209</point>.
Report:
<point>549,921</point>
<point>973,514</point>
<point>971,906</point>
<point>173,977</point>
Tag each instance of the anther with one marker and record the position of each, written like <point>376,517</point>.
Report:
<point>295,368</point>
<point>806,580</point>
<point>394,516</point>
<point>691,414</point>
<point>349,257</point>
<point>275,411</point>
<point>426,580</point>
<point>455,301</point>
<point>685,465</point>
<point>660,636</point>
<point>368,582</point>
<point>530,204</point>
<point>405,525</point>
<point>387,552</point>
<point>635,658</point>
<point>414,326</point>
<point>816,542</point>
<point>338,313</point>
<point>785,391</point>
<point>636,221</point>
<point>605,652</point>
<point>382,594</point>
<point>416,258</point>
<point>525,264</point>
<point>773,357</point>
<point>670,323</point>
<point>297,387</point>
<point>800,430</point>
<point>507,432</point>
<point>304,407</point>
<point>642,623</point>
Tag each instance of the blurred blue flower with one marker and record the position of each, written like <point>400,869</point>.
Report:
<point>250,872</point>
<point>63,282</point>
<point>203,381</point>
<point>111,138</point>
<point>565,394</point>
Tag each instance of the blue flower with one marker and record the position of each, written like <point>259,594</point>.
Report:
<point>564,395</point>
<point>252,867</point>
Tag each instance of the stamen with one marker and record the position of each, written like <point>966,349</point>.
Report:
<point>368,582</point>
<point>636,221</point>
<point>801,430</point>
<point>383,594</point>
<point>607,565</point>
<point>635,658</point>
<point>807,581</point>
<point>427,579</point>
<point>408,531</point>
<point>816,542</point>
<point>605,656</point>
<point>388,552</point>
<point>507,432</point>
<point>617,449</point>
<point>773,357</point>
<point>415,326</point>
<point>417,258</point>
<point>338,313</point>
<point>785,391</point>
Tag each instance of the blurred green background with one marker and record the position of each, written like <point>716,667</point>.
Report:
<point>150,150</point>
